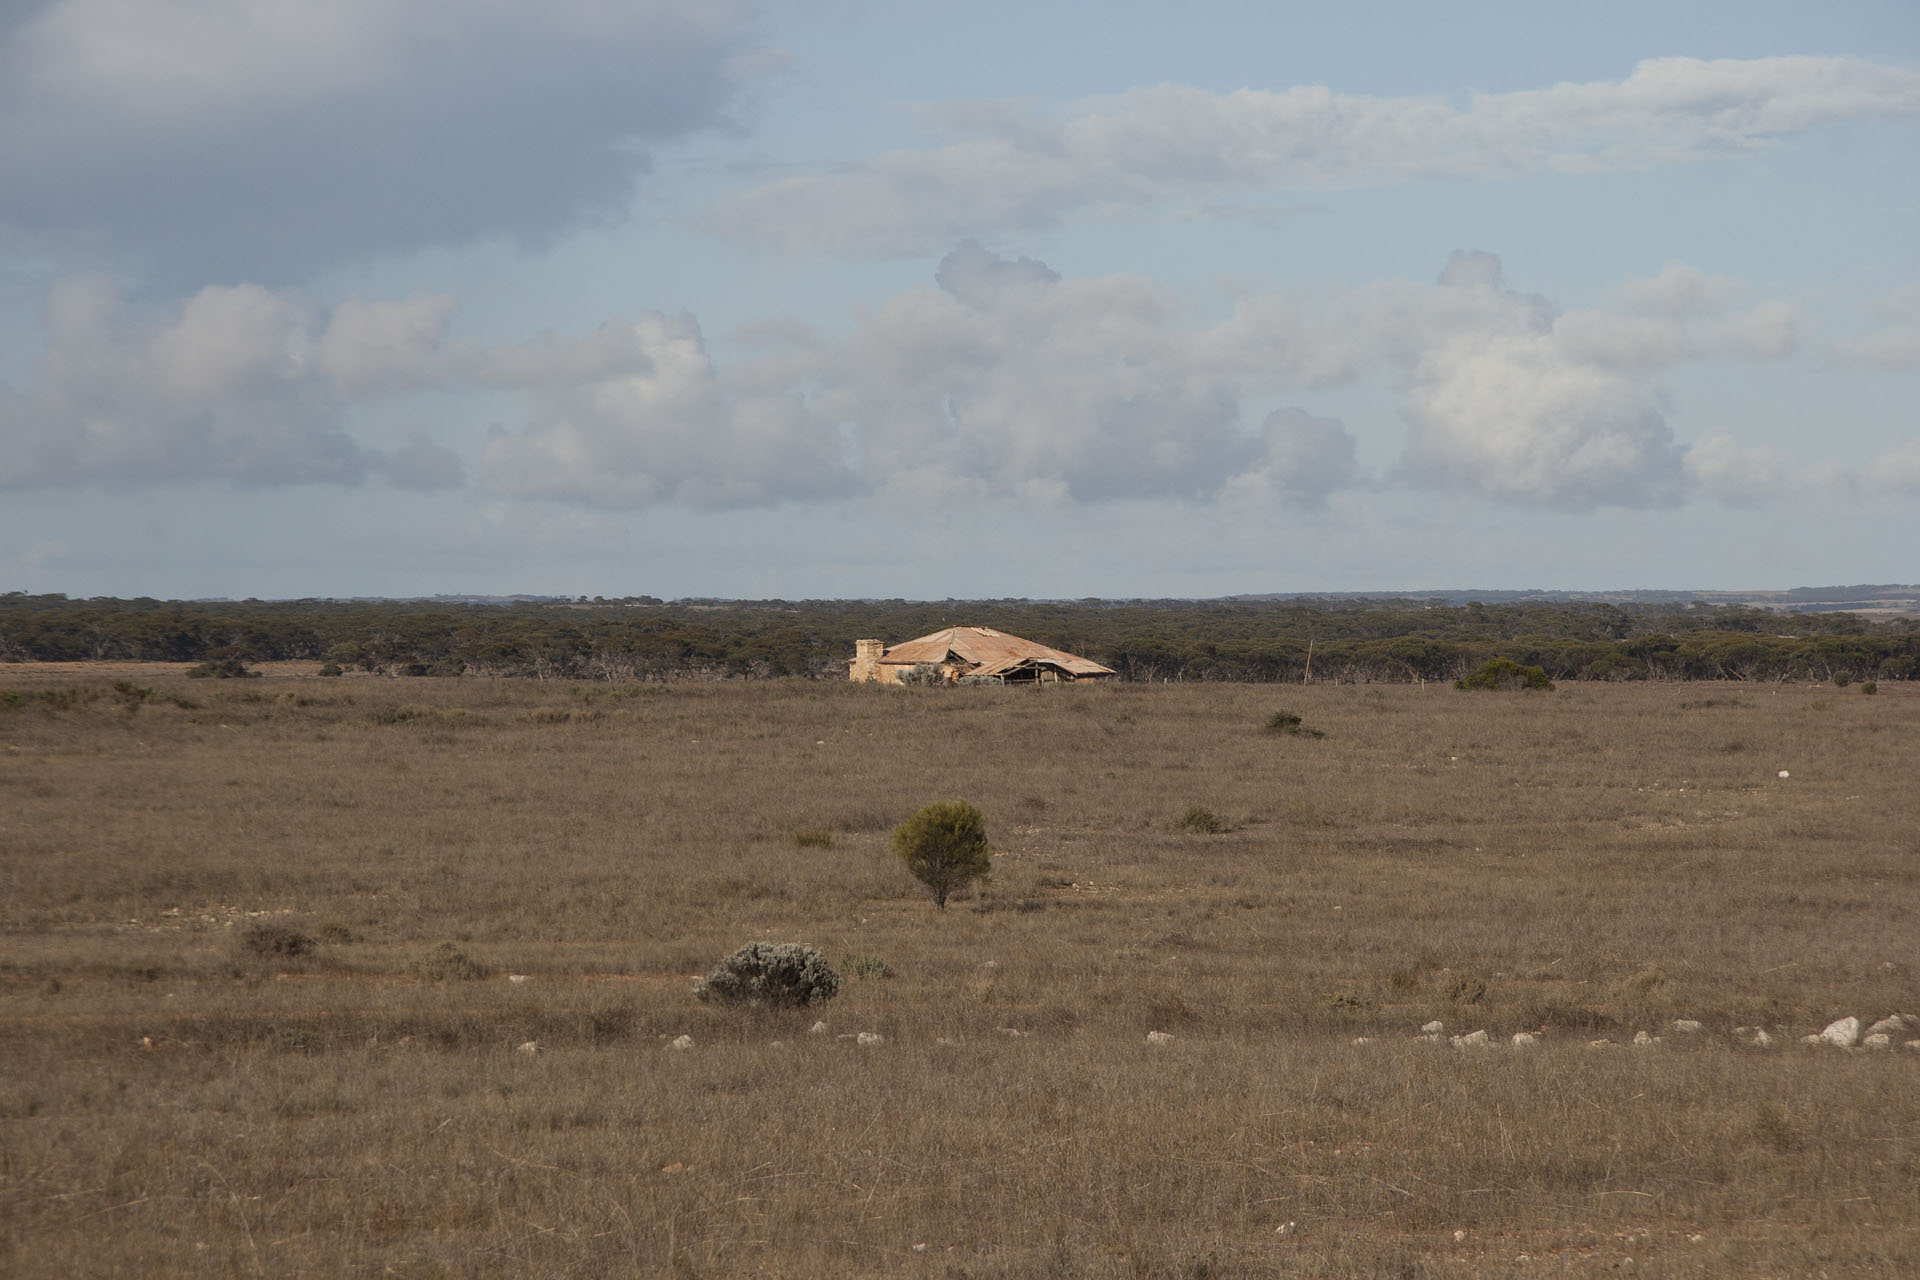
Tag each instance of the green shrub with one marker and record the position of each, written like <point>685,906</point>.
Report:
<point>1869,686</point>
<point>1201,821</point>
<point>332,669</point>
<point>1841,679</point>
<point>924,674</point>
<point>945,846</point>
<point>1505,674</point>
<point>786,975</point>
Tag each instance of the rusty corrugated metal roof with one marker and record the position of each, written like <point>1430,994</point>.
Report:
<point>986,648</point>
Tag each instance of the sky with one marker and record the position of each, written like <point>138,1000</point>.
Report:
<point>851,299</point>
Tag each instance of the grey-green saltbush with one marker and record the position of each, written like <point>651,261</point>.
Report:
<point>781,974</point>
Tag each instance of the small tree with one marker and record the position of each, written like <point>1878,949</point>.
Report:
<point>945,846</point>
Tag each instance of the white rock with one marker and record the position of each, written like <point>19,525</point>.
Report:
<point>1363,1039</point>
<point>1433,1028</point>
<point>1914,1045</point>
<point>1286,1228</point>
<point>1812,1039</point>
<point>1783,773</point>
<point>817,1029</point>
<point>1893,1024</point>
<point>517,978</point>
<point>530,1048</point>
<point>1014,1033</point>
<point>871,1038</point>
<point>1842,1032</point>
<point>1599,1044</point>
<point>1642,1039</point>
<point>1525,1040</point>
<point>1472,1040</point>
<point>1688,1027</point>
<point>1881,1041</point>
<point>682,1043</point>
<point>1759,1039</point>
<point>1159,1037</point>
<point>1459,1237</point>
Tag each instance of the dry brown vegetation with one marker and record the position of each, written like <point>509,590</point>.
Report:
<point>186,1087</point>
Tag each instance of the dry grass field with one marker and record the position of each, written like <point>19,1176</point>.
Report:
<point>1582,864</point>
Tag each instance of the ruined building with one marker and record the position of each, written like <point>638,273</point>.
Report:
<point>977,652</point>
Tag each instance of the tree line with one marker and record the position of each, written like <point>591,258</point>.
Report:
<point>1264,640</point>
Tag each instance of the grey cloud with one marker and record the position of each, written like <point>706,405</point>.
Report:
<point>207,139</point>
<point>1007,167</point>
<point>971,272</point>
<point>420,465</point>
<point>1308,458</point>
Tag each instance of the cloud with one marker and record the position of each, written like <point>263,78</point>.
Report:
<point>1892,348</point>
<point>1002,381</point>
<point>243,384</point>
<point>1510,417</point>
<point>258,140</point>
<point>660,427</point>
<point>1004,167</point>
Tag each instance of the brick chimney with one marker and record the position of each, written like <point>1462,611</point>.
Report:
<point>865,667</point>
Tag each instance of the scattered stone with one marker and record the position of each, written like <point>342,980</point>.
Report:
<point>1784,773</point>
<point>1812,1039</point>
<point>682,1043</point>
<point>1880,1041</point>
<point>1471,1040</point>
<point>869,1038</point>
<point>1159,1037</point>
<point>1286,1228</point>
<point>1363,1039</point>
<point>1914,1045</point>
<point>920,1248</point>
<point>1600,1044</point>
<point>1688,1026</point>
<point>1696,1239</point>
<point>531,1048</point>
<point>1642,1039</point>
<point>517,978</point>
<point>1842,1033</point>
<point>1434,1028</point>
<point>1459,1237</point>
<point>1525,1040</point>
<point>1894,1024</point>
<point>817,1029</point>
<point>674,1169</point>
<point>1755,1036</point>
<point>1013,1033</point>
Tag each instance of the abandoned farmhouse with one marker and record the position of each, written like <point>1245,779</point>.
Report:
<point>972,653</point>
